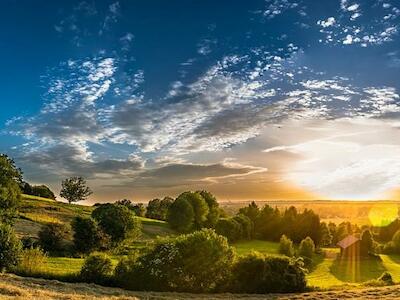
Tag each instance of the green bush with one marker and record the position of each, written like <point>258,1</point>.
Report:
<point>97,268</point>
<point>32,262</point>
<point>52,236</point>
<point>124,269</point>
<point>256,273</point>
<point>181,215</point>
<point>286,246</point>
<point>10,247</point>
<point>197,262</point>
<point>87,235</point>
<point>117,221</point>
<point>307,248</point>
<point>229,228</point>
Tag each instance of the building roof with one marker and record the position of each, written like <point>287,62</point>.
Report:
<point>347,241</point>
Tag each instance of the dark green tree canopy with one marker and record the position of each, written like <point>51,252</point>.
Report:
<point>10,193</point>
<point>74,189</point>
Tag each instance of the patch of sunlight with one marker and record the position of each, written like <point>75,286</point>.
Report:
<point>321,275</point>
<point>392,265</point>
<point>383,214</point>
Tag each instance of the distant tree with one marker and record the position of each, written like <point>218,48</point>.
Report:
<point>74,189</point>
<point>246,226</point>
<point>10,247</point>
<point>158,209</point>
<point>367,242</point>
<point>286,246</point>
<point>307,248</point>
<point>87,235</point>
<point>138,208</point>
<point>52,235</point>
<point>386,233</point>
<point>214,211</point>
<point>42,191</point>
<point>326,236</point>
<point>10,193</point>
<point>117,221</point>
<point>199,205</point>
<point>181,215</point>
<point>252,211</point>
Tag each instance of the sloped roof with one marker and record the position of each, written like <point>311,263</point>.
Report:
<point>347,241</point>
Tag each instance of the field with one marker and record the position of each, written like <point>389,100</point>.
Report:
<point>327,271</point>
<point>14,287</point>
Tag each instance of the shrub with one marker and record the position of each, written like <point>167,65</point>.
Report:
<point>96,268</point>
<point>32,262</point>
<point>124,270</point>
<point>52,236</point>
<point>229,228</point>
<point>387,278</point>
<point>117,221</point>
<point>158,209</point>
<point>255,273</point>
<point>307,248</point>
<point>29,242</point>
<point>181,215</point>
<point>197,262</point>
<point>10,247</point>
<point>87,235</point>
<point>286,246</point>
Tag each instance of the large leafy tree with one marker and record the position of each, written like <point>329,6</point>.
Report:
<point>74,189</point>
<point>213,209</point>
<point>181,215</point>
<point>117,221</point>
<point>10,193</point>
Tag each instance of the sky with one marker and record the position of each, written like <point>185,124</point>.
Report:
<point>251,100</point>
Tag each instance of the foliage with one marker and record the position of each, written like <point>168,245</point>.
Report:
<point>37,190</point>
<point>307,248</point>
<point>87,235</point>
<point>10,193</point>
<point>181,215</point>
<point>286,246</point>
<point>138,208</point>
<point>117,221</point>
<point>32,262</point>
<point>10,247</point>
<point>158,209</point>
<point>52,235</point>
<point>386,233</point>
<point>197,262</point>
<point>199,205</point>
<point>214,212</point>
<point>326,235</point>
<point>256,273</point>
<point>229,228</point>
<point>366,242</point>
<point>97,268</point>
<point>74,189</point>
<point>124,269</point>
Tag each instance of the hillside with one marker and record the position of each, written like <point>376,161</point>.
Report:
<point>14,287</point>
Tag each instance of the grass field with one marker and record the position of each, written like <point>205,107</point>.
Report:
<point>15,287</point>
<point>265,247</point>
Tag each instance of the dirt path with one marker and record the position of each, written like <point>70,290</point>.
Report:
<point>14,287</point>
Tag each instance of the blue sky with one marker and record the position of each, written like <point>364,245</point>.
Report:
<point>249,99</point>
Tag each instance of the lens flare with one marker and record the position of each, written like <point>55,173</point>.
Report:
<point>383,214</point>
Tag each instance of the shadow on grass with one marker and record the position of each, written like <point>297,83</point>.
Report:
<point>359,269</point>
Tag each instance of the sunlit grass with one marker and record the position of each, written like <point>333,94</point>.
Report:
<point>265,247</point>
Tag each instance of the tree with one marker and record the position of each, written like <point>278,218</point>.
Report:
<point>117,221</point>
<point>181,215</point>
<point>52,235</point>
<point>42,191</point>
<point>307,248</point>
<point>326,236</point>
<point>366,242</point>
<point>10,247</point>
<point>87,235</point>
<point>229,228</point>
<point>158,209</point>
<point>74,189</point>
<point>197,262</point>
<point>138,208</point>
<point>252,211</point>
<point>214,211</point>
<point>10,193</point>
<point>286,246</point>
<point>199,205</point>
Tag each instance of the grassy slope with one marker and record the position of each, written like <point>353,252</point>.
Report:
<point>14,287</point>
